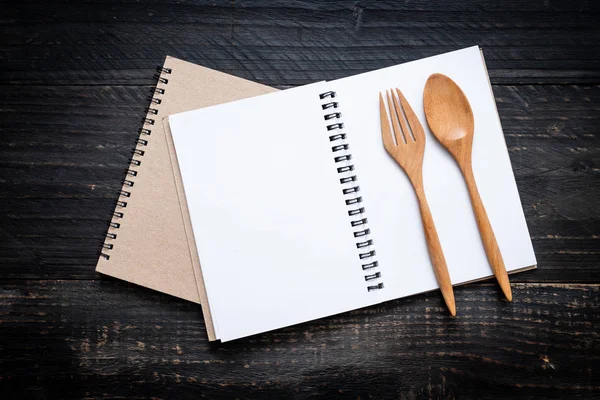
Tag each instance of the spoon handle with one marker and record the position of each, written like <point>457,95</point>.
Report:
<point>436,254</point>
<point>487,234</point>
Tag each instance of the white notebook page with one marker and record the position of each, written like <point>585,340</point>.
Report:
<point>268,214</point>
<point>392,208</point>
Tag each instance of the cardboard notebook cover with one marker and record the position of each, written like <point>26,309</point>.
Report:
<point>154,246</point>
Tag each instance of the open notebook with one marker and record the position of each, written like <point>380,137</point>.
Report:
<point>298,212</point>
<point>155,246</point>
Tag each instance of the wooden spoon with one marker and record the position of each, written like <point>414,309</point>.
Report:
<point>450,118</point>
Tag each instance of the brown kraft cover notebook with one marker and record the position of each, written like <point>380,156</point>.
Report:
<point>152,247</point>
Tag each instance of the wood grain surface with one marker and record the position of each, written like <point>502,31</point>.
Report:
<point>75,81</point>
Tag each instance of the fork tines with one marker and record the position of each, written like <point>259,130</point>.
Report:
<point>406,125</point>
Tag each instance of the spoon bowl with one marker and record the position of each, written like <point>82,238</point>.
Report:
<point>449,114</point>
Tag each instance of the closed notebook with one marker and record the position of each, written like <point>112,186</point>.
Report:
<point>148,242</point>
<point>296,211</point>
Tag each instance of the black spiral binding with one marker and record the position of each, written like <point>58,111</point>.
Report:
<point>350,188</point>
<point>134,162</point>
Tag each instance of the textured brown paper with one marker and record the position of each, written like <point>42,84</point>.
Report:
<point>155,247</point>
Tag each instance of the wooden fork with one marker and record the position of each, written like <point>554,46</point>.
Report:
<point>408,152</point>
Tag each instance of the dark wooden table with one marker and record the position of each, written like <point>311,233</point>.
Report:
<point>75,79</point>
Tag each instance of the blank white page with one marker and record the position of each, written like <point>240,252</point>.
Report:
<point>267,211</point>
<point>392,207</point>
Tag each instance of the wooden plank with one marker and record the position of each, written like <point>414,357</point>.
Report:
<point>106,339</point>
<point>75,81</point>
<point>61,171</point>
<point>293,43</point>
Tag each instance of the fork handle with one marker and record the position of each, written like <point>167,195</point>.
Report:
<point>436,254</point>
<point>488,238</point>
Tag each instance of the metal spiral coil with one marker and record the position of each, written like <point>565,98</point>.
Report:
<point>134,160</point>
<point>350,188</point>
